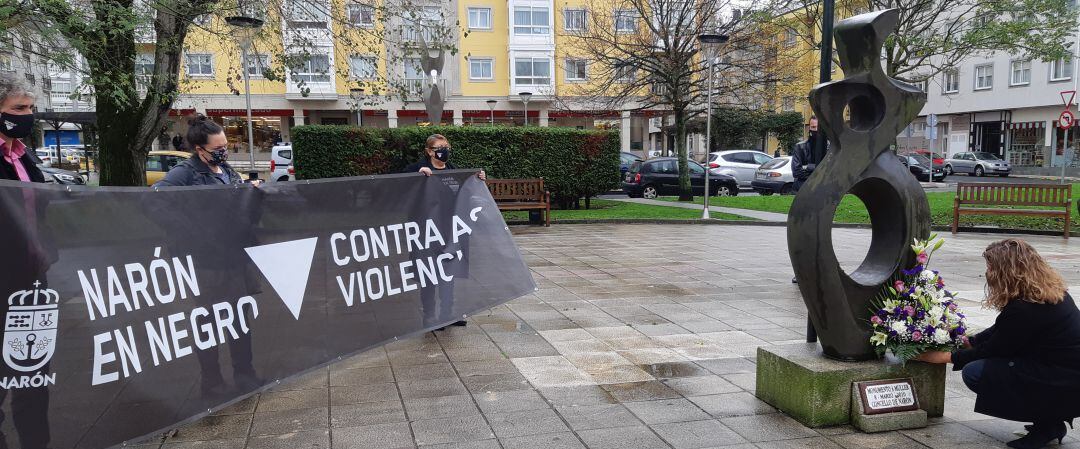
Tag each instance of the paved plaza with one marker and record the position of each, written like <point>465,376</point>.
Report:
<point>640,336</point>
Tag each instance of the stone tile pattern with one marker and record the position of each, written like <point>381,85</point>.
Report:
<point>638,336</point>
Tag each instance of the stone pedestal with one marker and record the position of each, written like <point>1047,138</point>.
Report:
<point>816,391</point>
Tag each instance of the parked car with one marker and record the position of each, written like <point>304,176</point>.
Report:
<point>939,160</point>
<point>160,162</point>
<point>977,163</point>
<point>625,160</point>
<point>775,177</point>
<point>739,164</point>
<point>660,176</point>
<point>46,156</point>
<point>62,177</point>
<point>919,166</point>
<point>280,159</point>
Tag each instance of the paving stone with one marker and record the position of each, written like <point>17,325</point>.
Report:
<point>308,439</point>
<point>287,400</point>
<point>637,437</point>
<point>701,385</point>
<point>289,421</point>
<point>485,367</point>
<point>697,434</point>
<point>234,443</point>
<point>886,440</point>
<point>454,429</point>
<point>438,407</point>
<point>480,444</point>
<point>363,393</point>
<point>771,427</point>
<point>510,401</point>
<point>562,440</point>
<point>640,391</point>
<point>731,404</point>
<point>666,411</point>
<point>802,443</point>
<point>528,422</point>
<point>432,388</point>
<point>496,382</point>
<point>390,435</point>
<point>950,435</point>
<point>428,371</point>
<point>588,417</point>
<point>577,395</point>
<point>366,414</point>
<point>214,428</point>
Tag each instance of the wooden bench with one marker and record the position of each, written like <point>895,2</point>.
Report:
<point>1013,195</point>
<point>521,194</point>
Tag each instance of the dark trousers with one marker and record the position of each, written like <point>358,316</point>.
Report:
<point>438,303</point>
<point>972,374</point>
<point>29,413</point>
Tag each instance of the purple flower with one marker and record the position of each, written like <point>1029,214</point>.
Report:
<point>920,314</point>
<point>952,307</point>
<point>914,271</point>
<point>916,336</point>
<point>899,285</point>
<point>876,320</point>
<point>922,258</point>
<point>910,311</point>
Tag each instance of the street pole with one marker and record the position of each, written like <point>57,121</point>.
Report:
<point>1068,107</point>
<point>247,99</point>
<point>708,136</point>
<point>526,112</point>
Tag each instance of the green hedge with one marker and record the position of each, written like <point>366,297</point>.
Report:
<point>574,163</point>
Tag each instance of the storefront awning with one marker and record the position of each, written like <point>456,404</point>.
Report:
<point>1027,125</point>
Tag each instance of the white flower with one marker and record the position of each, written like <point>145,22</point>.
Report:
<point>879,338</point>
<point>927,275</point>
<point>899,327</point>
<point>941,336</point>
<point>935,313</point>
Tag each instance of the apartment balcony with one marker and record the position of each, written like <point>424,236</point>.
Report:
<point>145,34</point>
<point>413,88</point>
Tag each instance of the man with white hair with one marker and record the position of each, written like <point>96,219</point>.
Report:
<point>16,122</point>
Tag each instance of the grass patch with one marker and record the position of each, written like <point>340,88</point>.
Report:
<point>607,209</point>
<point>851,210</point>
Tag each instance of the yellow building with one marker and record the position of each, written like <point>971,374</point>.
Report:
<point>354,63</point>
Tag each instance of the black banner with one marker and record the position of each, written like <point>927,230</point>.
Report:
<point>130,311</point>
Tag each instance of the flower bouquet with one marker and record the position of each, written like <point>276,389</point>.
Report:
<point>917,314</point>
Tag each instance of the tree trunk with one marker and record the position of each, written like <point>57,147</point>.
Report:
<point>120,162</point>
<point>685,193</point>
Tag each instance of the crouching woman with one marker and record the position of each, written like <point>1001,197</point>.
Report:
<point>1026,367</point>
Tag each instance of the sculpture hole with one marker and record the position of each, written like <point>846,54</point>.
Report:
<point>865,110</point>
<point>850,245</point>
<point>871,259</point>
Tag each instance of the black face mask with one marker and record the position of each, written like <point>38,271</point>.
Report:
<point>442,154</point>
<point>16,126</point>
<point>217,157</point>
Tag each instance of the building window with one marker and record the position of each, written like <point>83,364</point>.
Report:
<point>427,23</point>
<point>202,20</point>
<point>625,21</point>
<point>480,18</point>
<point>257,65</point>
<point>307,13</point>
<point>577,69</point>
<point>531,20</point>
<point>951,82</point>
<point>200,65</point>
<point>791,37</point>
<point>787,104</point>
<point>984,76</point>
<point>532,71</point>
<point>313,68</point>
<point>625,73</point>
<point>481,69</point>
<point>144,64</point>
<point>574,19</point>
<point>1020,73</point>
<point>362,67</point>
<point>361,15</point>
<point>414,76</point>
<point>1061,69</point>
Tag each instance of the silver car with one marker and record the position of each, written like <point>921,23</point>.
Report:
<point>775,177</point>
<point>739,164</point>
<point>977,163</point>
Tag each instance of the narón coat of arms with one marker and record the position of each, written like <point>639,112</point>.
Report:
<point>30,328</point>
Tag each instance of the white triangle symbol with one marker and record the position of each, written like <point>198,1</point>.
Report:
<point>287,266</point>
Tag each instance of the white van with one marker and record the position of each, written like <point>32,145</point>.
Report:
<point>280,160</point>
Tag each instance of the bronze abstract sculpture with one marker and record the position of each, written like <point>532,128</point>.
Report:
<point>861,115</point>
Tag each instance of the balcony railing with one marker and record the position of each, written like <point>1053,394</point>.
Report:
<point>413,88</point>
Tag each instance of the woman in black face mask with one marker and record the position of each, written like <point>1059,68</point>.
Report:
<point>209,155</point>
<point>437,150</point>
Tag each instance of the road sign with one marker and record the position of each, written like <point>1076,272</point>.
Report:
<point>931,120</point>
<point>931,132</point>
<point>1071,94</point>
<point>1065,120</point>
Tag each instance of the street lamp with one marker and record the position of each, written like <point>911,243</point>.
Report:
<point>491,107</point>
<point>356,93</point>
<point>245,28</point>
<point>708,43</point>
<point>525,96</point>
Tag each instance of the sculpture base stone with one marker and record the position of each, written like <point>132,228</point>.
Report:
<point>883,422</point>
<point>799,381</point>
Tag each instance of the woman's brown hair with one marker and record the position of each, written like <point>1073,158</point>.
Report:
<point>1014,270</point>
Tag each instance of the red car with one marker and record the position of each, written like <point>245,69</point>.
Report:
<point>939,160</point>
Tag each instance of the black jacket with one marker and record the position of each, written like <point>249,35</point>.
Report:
<point>195,172</point>
<point>425,162</point>
<point>1032,362</point>
<point>29,162</point>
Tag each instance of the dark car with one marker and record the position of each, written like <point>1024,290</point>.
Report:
<point>625,161</point>
<point>63,177</point>
<point>660,176</point>
<point>919,166</point>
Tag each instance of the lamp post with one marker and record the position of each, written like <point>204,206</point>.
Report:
<point>708,43</point>
<point>356,93</point>
<point>525,96</point>
<point>491,107</point>
<point>245,28</point>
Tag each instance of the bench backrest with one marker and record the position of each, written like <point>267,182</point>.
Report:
<point>1014,194</point>
<point>531,190</point>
